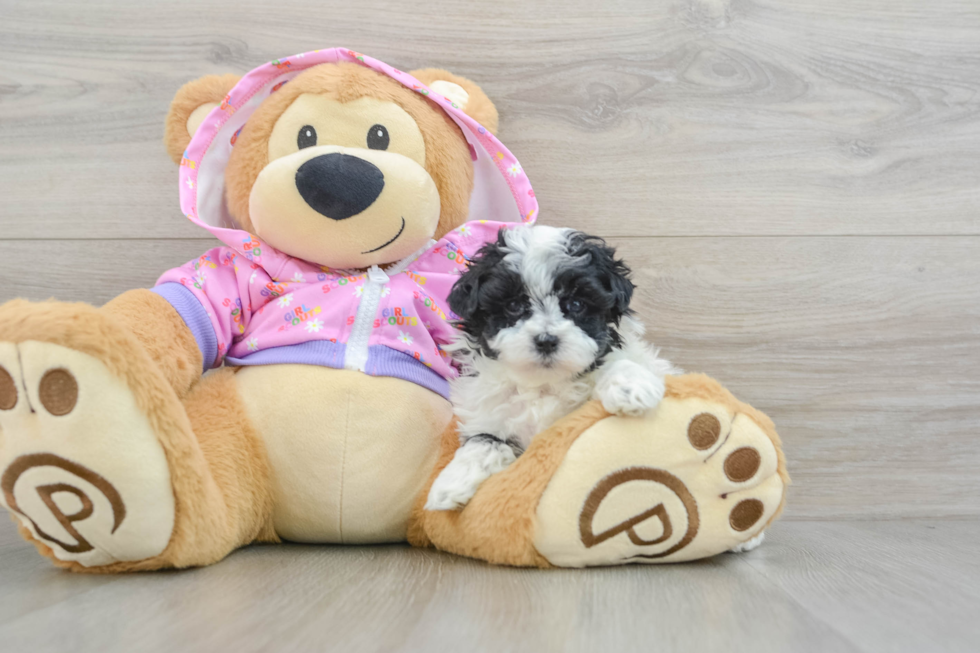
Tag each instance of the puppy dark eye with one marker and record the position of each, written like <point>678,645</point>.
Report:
<point>515,307</point>
<point>572,306</point>
<point>306,137</point>
<point>377,137</point>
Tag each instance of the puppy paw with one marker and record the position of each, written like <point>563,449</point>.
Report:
<point>748,545</point>
<point>474,462</point>
<point>450,493</point>
<point>629,389</point>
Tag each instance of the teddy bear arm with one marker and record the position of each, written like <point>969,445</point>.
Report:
<point>163,334</point>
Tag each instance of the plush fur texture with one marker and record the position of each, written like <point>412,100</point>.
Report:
<point>546,325</point>
<point>478,106</point>
<point>210,89</point>
<point>237,462</point>
<point>165,339</point>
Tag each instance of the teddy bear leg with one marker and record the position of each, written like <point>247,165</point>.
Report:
<point>701,474</point>
<point>98,460</point>
<point>239,512</point>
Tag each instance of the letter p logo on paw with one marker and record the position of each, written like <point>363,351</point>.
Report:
<point>602,516</point>
<point>51,512</point>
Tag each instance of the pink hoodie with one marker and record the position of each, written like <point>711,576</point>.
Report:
<point>250,304</point>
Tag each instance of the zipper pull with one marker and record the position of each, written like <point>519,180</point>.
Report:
<point>377,275</point>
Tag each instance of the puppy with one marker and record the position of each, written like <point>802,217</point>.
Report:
<point>545,326</point>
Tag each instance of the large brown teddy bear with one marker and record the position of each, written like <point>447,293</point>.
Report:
<point>348,196</point>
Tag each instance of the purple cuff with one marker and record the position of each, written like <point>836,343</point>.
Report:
<point>195,317</point>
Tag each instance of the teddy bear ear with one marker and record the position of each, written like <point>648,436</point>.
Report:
<point>190,107</point>
<point>466,94</point>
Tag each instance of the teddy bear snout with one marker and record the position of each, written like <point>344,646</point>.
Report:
<point>339,186</point>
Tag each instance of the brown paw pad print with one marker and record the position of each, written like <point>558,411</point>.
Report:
<point>742,464</point>
<point>703,431</point>
<point>8,390</point>
<point>745,514</point>
<point>58,391</point>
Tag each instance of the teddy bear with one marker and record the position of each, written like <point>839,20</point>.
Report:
<point>292,383</point>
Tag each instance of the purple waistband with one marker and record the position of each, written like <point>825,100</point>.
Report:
<point>382,361</point>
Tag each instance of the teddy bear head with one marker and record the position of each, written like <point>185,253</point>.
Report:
<point>343,166</point>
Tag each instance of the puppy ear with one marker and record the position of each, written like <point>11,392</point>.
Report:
<point>465,93</point>
<point>621,288</point>
<point>190,106</point>
<point>464,298</point>
<point>613,273</point>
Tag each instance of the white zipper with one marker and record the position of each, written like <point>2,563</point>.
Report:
<point>356,352</point>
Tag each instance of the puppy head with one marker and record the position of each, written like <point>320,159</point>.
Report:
<point>544,302</point>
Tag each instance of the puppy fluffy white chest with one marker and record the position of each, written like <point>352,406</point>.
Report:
<point>506,410</point>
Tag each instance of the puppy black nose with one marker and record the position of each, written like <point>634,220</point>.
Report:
<point>546,343</point>
<point>339,185</point>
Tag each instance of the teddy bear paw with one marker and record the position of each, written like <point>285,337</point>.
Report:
<point>691,479</point>
<point>80,465</point>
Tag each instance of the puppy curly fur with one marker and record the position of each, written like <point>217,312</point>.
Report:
<point>545,327</point>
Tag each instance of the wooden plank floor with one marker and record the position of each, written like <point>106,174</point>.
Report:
<point>795,182</point>
<point>911,585</point>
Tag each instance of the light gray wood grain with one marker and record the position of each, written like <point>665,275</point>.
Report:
<point>675,117</point>
<point>91,271</point>
<point>29,582</point>
<point>813,586</point>
<point>864,350</point>
<point>886,586</point>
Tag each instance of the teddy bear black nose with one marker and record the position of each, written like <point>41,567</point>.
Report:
<point>339,185</point>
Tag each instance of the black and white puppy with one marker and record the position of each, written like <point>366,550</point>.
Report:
<point>545,326</point>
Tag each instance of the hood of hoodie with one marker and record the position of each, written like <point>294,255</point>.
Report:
<point>501,190</point>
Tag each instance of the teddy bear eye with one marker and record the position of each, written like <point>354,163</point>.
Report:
<point>306,137</point>
<point>377,137</point>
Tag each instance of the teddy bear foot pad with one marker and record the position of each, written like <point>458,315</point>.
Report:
<point>691,479</point>
<point>80,465</point>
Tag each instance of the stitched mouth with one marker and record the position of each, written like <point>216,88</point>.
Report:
<point>389,242</point>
